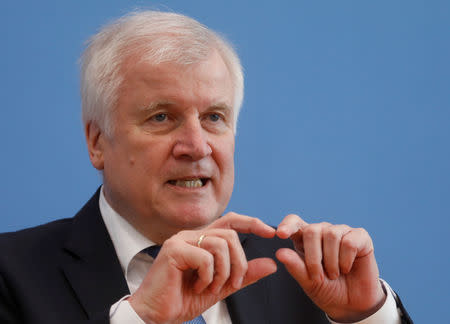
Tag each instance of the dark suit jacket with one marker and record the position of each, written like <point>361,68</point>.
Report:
<point>67,271</point>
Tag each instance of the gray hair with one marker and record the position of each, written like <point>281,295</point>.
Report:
<point>157,37</point>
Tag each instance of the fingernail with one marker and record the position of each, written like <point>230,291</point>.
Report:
<point>317,278</point>
<point>238,283</point>
<point>216,290</point>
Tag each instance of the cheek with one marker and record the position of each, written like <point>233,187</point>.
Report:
<point>229,152</point>
<point>226,156</point>
<point>227,182</point>
<point>150,157</point>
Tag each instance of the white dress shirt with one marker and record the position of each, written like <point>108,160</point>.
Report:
<point>129,243</point>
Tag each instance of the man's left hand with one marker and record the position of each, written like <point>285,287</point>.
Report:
<point>335,265</point>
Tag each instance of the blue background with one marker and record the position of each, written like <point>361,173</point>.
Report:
<point>346,119</point>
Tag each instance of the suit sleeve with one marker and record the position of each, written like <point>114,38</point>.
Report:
<point>9,312</point>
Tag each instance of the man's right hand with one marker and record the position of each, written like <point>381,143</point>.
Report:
<point>186,279</point>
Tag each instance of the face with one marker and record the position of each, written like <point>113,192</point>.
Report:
<point>169,163</point>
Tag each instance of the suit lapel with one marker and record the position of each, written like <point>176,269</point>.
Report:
<point>251,304</point>
<point>90,263</point>
<point>92,269</point>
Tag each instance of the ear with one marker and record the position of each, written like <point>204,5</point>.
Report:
<point>95,144</point>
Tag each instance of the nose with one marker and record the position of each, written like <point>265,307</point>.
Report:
<point>192,141</point>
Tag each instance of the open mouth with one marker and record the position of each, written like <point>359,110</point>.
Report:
<point>189,183</point>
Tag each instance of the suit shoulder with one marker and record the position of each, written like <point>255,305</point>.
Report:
<point>29,239</point>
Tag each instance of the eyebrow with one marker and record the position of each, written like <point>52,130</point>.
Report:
<point>221,106</point>
<point>154,105</point>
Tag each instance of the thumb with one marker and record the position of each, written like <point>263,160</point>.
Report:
<point>295,265</point>
<point>258,269</point>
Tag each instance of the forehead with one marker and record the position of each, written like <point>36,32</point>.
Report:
<point>204,82</point>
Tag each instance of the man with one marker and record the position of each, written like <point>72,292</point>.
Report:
<point>161,94</point>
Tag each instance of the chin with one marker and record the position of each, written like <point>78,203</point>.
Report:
<point>194,217</point>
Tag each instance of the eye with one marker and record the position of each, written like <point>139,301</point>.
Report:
<point>160,117</point>
<point>214,117</point>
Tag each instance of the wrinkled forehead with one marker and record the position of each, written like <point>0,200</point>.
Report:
<point>202,84</point>
<point>186,53</point>
<point>211,68</point>
<point>166,49</point>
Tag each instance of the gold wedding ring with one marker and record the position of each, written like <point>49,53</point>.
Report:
<point>200,239</point>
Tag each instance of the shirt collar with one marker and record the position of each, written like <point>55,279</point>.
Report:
<point>127,241</point>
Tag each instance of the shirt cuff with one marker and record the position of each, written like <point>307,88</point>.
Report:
<point>122,312</point>
<point>387,314</point>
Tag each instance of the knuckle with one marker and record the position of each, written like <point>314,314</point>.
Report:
<point>244,266</point>
<point>240,266</point>
<point>293,217</point>
<point>313,264</point>
<point>344,229</point>
<point>313,259</point>
<point>171,242</point>
<point>230,214</point>
<point>220,276</point>
<point>311,231</point>
<point>222,244</point>
<point>208,261</point>
<point>255,221</point>
<point>362,231</point>
<point>231,234</point>
<point>348,244</point>
<point>182,233</point>
<point>234,217</point>
<point>331,234</point>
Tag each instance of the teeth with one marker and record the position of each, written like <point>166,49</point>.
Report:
<point>194,183</point>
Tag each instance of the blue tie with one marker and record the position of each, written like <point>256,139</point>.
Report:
<point>198,320</point>
<point>153,252</point>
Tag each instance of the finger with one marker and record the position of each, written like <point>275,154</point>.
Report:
<point>238,260</point>
<point>290,225</point>
<point>244,224</point>
<point>186,256</point>
<point>295,265</point>
<point>312,245</point>
<point>218,247</point>
<point>356,243</point>
<point>331,240</point>
<point>257,269</point>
